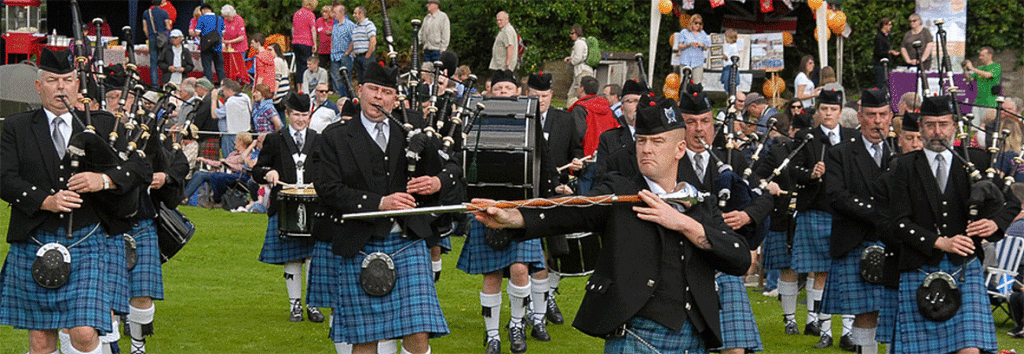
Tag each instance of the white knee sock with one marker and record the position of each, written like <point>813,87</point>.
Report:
<point>825,322</point>
<point>788,291</point>
<point>137,318</point>
<point>292,281</point>
<point>65,341</point>
<point>105,347</point>
<point>812,296</point>
<point>847,324</point>
<point>342,348</point>
<point>436,266</point>
<point>491,309</point>
<point>539,292</point>
<point>97,350</point>
<point>865,337</point>
<point>114,335</point>
<point>553,280</point>
<point>387,346</point>
<point>517,301</point>
<point>408,352</point>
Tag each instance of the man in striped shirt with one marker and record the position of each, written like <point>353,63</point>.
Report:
<point>364,41</point>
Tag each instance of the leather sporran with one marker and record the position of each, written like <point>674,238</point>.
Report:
<point>378,275</point>
<point>497,239</point>
<point>131,251</point>
<point>52,266</point>
<point>872,264</point>
<point>938,298</point>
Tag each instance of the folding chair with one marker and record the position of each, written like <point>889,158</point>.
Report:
<point>1000,279</point>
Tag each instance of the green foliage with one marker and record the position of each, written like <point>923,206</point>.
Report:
<point>995,23</point>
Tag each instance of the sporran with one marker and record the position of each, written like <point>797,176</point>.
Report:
<point>872,264</point>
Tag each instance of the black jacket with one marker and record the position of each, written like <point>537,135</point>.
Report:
<point>352,175</point>
<point>564,144</point>
<point>31,171</point>
<point>919,214</point>
<point>276,155</point>
<point>608,143</point>
<point>204,119</point>
<point>757,210</point>
<point>166,60</point>
<point>812,195</point>
<point>850,172</point>
<point>779,148</point>
<point>627,270</point>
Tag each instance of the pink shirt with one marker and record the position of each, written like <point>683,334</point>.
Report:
<point>302,27</point>
<point>234,29</point>
<point>192,24</point>
<point>265,73</point>
<point>323,35</point>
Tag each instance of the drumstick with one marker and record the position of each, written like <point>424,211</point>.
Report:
<point>584,159</point>
<point>293,186</point>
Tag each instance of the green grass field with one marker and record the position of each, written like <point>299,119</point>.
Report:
<point>220,299</point>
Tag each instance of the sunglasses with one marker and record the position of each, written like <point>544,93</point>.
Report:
<point>796,106</point>
<point>322,91</point>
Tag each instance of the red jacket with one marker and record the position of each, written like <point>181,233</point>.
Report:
<point>599,119</point>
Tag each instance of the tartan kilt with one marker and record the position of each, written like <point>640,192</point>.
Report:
<point>446,244</point>
<point>210,148</point>
<point>411,307</point>
<point>660,337</point>
<point>322,286</point>
<point>776,253</point>
<point>83,301</point>
<point>811,241</point>
<point>120,282</point>
<point>479,258</point>
<point>972,326</point>
<point>887,316</point>
<point>281,250</point>
<point>147,278</point>
<point>845,292</point>
<point>739,329</point>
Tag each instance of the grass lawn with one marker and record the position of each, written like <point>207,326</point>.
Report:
<point>220,299</point>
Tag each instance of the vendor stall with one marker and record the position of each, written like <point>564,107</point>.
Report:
<point>24,36</point>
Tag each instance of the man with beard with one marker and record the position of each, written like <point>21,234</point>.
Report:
<point>931,224</point>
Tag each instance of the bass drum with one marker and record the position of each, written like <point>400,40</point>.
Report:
<point>584,249</point>
<point>295,210</point>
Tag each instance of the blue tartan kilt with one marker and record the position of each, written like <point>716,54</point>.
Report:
<point>83,301</point>
<point>663,339</point>
<point>739,329</point>
<point>971,327</point>
<point>411,307</point>
<point>811,241</point>
<point>322,287</point>
<point>776,253</point>
<point>147,276</point>
<point>845,292</point>
<point>887,315</point>
<point>446,244</point>
<point>479,258</point>
<point>281,250</point>
<point>118,279</point>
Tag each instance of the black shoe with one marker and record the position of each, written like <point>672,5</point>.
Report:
<point>517,338</point>
<point>540,331</point>
<point>554,314</point>
<point>314,314</point>
<point>493,345</point>
<point>791,327</point>
<point>824,342</point>
<point>812,329</point>
<point>846,343</point>
<point>296,315</point>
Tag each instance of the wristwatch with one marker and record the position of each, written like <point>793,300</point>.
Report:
<point>106,182</point>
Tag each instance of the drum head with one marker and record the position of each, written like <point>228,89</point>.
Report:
<point>584,251</point>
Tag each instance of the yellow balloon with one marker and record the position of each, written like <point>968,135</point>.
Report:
<point>814,4</point>
<point>837,22</point>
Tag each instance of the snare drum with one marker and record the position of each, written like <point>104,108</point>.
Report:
<point>584,249</point>
<point>295,210</point>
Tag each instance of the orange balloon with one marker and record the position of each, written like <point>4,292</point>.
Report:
<point>773,86</point>
<point>684,20</point>
<point>814,4</point>
<point>665,6</point>
<point>787,38</point>
<point>672,81</point>
<point>828,35</point>
<point>672,39</point>
<point>837,22</point>
<point>670,92</point>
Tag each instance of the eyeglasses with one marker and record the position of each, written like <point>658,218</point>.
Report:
<point>796,106</point>
<point>698,23</point>
<point>322,91</point>
<point>932,125</point>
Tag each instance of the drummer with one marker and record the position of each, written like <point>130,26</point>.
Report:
<point>281,163</point>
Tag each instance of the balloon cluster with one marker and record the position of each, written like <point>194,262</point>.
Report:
<point>671,87</point>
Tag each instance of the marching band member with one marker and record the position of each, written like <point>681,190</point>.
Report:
<point>283,161</point>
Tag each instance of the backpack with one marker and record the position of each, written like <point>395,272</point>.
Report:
<point>593,51</point>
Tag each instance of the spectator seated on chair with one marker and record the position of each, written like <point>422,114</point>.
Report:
<point>235,167</point>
